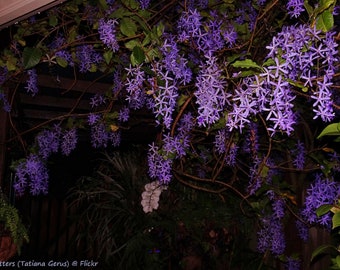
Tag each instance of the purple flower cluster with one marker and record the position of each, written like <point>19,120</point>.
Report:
<point>299,153</point>
<point>3,74</point>
<point>32,82</point>
<point>134,86</point>
<point>322,191</point>
<point>211,96</point>
<point>220,141</point>
<point>31,173</point>
<point>295,8</point>
<point>62,54</point>
<point>271,236</point>
<point>244,106</point>
<point>101,135</point>
<point>87,57</point>
<point>207,36</point>
<point>5,103</point>
<point>174,62</point>
<point>48,141</point>
<point>165,93</point>
<point>69,141</point>
<point>230,158</point>
<point>297,50</point>
<point>107,33</point>
<point>303,230</point>
<point>97,100</point>
<point>293,264</point>
<point>124,114</point>
<point>144,4</point>
<point>159,166</point>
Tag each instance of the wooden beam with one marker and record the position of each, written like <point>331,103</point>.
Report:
<point>68,84</point>
<point>12,11</point>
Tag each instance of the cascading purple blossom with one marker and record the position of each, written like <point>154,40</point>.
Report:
<point>134,86</point>
<point>322,191</point>
<point>107,33</point>
<point>69,141</point>
<point>271,236</point>
<point>32,82</point>
<point>87,57</point>
<point>165,93</point>
<point>31,174</point>
<point>211,96</point>
<point>48,141</point>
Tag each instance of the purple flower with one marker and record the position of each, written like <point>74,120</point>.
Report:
<point>65,56</point>
<point>5,103</point>
<point>323,101</point>
<point>210,95</point>
<point>31,173</point>
<point>189,25</point>
<point>124,114</point>
<point>295,8</point>
<point>134,87</point>
<point>48,141</point>
<point>220,141</point>
<point>32,82</point>
<point>303,230</point>
<point>69,141</point>
<point>107,33</point>
<point>87,57</point>
<point>278,208</point>
<point>292,264</point>
<point>3,74</point>
<point>271,236</point>
<point>99,135</point>
<point>159,167</point>
<point>93,119</point>
<point>230,158</point>
<point>165,97</point>
<point>97,100</point>
<point>115,138</point>
<point>299,153</point>
<point>144,4</point>
<point>174,146</point>
<point>174,62</point>
<point>321,191</point>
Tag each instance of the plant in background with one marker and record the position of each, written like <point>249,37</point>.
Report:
<point>238,90</point>
<point>11,224</point>
<point>127,229</point>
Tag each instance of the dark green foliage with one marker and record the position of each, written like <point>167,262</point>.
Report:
<point>189,224</point>
<point>11,223</point>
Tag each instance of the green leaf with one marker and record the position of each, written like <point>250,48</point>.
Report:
<point>53,20</point>
<point>108,56</point>
<point>337,259</point>
<point>323,249</point>
<point>138,54</point>
<point>330,130</point>
<point>132,43</point>
<point>325,21</point>
<point>31,57</point>
<point>128,27</point>
<point>323,209</point>
<point>247,63</point>
<point>103,4</point>
<point>336,220</point>
<point>61,62</point>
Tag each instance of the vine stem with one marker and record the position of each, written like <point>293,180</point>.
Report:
<point>179,115</point>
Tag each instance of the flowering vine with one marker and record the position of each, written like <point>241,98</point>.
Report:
<point>237,89</point>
